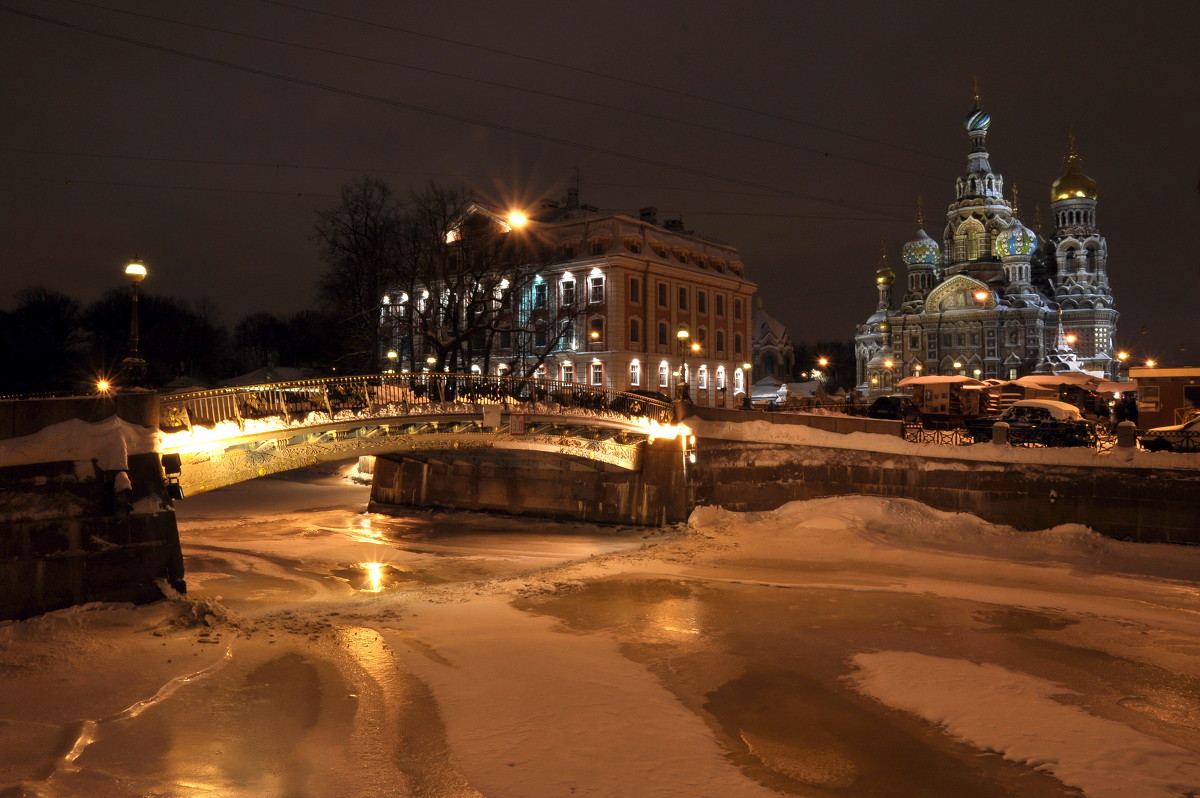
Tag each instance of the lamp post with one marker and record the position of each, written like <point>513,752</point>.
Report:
<point>747,369</point>
<point>391,356</point>
<point>684,389</point>
<point>134,366</point>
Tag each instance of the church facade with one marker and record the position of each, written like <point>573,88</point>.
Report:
<point>993,299</point>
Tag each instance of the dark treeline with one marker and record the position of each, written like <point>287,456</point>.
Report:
<point>50,342</point>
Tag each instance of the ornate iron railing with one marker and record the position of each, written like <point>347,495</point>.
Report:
<point>397,394</point>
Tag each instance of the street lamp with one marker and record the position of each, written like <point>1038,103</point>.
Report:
<point>391,356</point>
<point>134,366</point>
<point>684,388</point>
<point>430,362</point>
<point>747,369</point>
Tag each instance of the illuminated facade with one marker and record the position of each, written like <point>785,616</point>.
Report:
<point>625,303</point>
<point>994,300</point>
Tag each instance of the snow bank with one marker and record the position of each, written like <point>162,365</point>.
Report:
<point>796,434</point>
<point>110,441</point>
<point>1018,715</point>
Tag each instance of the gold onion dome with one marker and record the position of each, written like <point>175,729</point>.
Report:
<point>884,274</point>
<point>1074,184</point>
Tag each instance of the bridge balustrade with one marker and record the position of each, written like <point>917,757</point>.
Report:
<point>398,394</point>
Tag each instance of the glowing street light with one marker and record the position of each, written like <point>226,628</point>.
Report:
<point>684,389</point>
<point>134,366</point>
<point>1151,363</point>
<point>747,368</point>
<point>391,356</point>
<point>517,219</point>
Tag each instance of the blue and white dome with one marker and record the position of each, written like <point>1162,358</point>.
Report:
<point>921,251</point>
<point>1017,240</point>
<point>978,119</point>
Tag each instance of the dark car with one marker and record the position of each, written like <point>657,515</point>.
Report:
<point>1183,437</point>
<point>896,407</point>
<point>1043,422</point>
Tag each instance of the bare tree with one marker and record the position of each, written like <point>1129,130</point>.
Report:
<point>360,242</point>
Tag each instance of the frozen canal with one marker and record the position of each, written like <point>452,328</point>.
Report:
<point>840,647</point>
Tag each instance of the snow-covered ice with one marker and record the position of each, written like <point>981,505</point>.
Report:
<point>843,646</point>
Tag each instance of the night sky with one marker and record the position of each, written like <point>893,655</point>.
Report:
<point>203,136</point>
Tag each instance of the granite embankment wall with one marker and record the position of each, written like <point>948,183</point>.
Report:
<point>97,527</point>
<point>536,483</point>
<point>1124,501</point>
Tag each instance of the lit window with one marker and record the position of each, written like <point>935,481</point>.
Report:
<point>635,374</point>
<point>702,377</point>
<point>720,378</point>
<point>664,375</point>
<point>597,374</point>
<point>567,372</point>
<point>596,288</point>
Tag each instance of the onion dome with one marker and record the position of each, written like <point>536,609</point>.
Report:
<point>978,119</point>
<point>1074,184</point>
<point>884,274</point>
<point>921,251</point>
<point>1017,240</point>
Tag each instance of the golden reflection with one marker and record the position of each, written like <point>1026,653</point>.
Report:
<point>677,615</point>
<point>374,573</point>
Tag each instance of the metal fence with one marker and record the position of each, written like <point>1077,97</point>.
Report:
<point>372,394</point>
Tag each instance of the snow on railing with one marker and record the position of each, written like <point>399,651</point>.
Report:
<point>307,402</point>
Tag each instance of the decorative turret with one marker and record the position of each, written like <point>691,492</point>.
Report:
<point>921,256</point>
<point>979,181</point>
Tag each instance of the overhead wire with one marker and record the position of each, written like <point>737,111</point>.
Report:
<point>824,153</point>
<point>442,114</point>
<point>606,76</point>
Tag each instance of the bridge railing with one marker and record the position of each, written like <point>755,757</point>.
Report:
<point>364,395</point>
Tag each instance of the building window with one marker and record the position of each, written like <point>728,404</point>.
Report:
<point>737,343</point>
<point>635,331</point>
<point>662,295</point>
<point>568,293</point>
<point>540,372</point>
<point>738,380</point>
<point>567,372</point>
<point>664,375</point>
<point>635,290</point>
<point>540,336</point>
<point>539,296</point>
<point>737,310</point>
<point>720,378</point>
<point>720,342</point>
<point>598,247</point>
<point>596,288</point>
<point>596,330</point>
<point>635,374</point>
<point>702,302</point>
<point>702,377</point>
<point>683,297</point>
<point>597,374</point>
<point>720,301</point>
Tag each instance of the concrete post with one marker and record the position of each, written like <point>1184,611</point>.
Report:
<point>1000,433</point>
<point>1126,435</point>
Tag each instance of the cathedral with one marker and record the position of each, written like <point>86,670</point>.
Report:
<point>994,300</point>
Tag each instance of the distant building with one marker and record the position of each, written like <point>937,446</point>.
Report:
<point>994,299</point>
<point>623,302</point>
<point>774,355</point>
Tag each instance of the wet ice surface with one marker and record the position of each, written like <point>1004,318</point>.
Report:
<point>842,647</point>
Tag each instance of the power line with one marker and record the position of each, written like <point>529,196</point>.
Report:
<point>524,89</point>
<point>127,184</point>
<point>443,114</point>
<point>605,76</point>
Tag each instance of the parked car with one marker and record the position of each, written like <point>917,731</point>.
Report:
<point>1038,421</point>
<point>1183,437</point>
<point>897,407</point>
